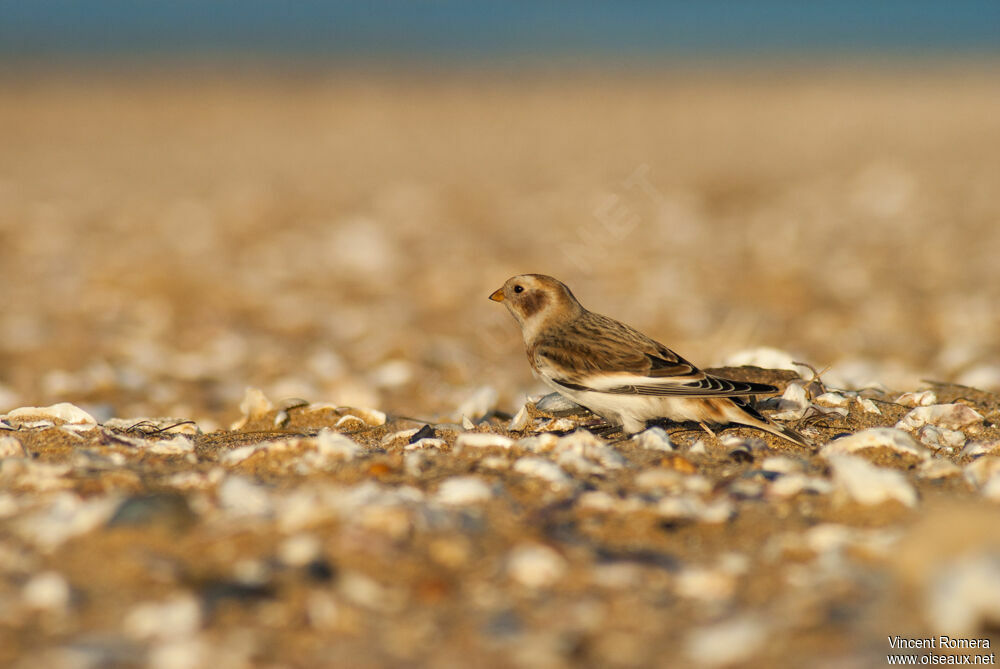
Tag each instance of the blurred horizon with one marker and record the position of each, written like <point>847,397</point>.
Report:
<point>470,34</point>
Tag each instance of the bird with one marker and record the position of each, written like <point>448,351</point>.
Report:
<point>619,373</point>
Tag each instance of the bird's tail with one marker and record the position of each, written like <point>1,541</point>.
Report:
<point>754,418</point>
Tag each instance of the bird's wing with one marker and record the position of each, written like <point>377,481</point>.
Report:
<point>599,354</point>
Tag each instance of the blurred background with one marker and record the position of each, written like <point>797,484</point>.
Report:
<point>317,198</point>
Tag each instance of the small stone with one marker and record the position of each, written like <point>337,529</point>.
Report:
<point>425,443</point>
<point>254,406</point>
<point>951,416</point>
<point>981,470</point>
<point>555,403</point>
<point>482,440</point>
<point>941,438</point>
<point>350,422</point>
<point>535,566</point>
<point>938,468</point>
<point>520,420</point>
<point>299,550</point>
<point>654,439</point>
<point>10,447</point>
<point>727,643</point>
<point>876,437</point>
<point>869,406</point>
<point>481,403</point>
<point>240,497</point>
<point>974,449</point>
<point>464,490</point>
<point>832,400</point>
<point>332,445</point>
<point>543,469</point>
<point>922,399</point>
<point>176,618</point>
<point>61,413</point>
<point>867,484</point>
<point>963,598</point>
<point>47,591</point>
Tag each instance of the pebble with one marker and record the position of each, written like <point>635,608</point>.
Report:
<point>727,643</point>
<point>705,584</point>
<point>67,516</point>
<point>464,490</point>
<point>869,406</point>
<point>951,416</point>
<point>963,598</point>
<point>974,449</point>
<point>555,403</point>
<point>941,438</point>
<point>793,402</point>
<point>832,400</point>
<point>401,434</point>
<point>923,398</point>
<point>350,422</point>
<point>369,593</point>
<point>178,617</point>
<point>47,591</point>
<point>535,566</point>
<point>589,446</point>
<point>332,445</point>
<point>876,437</point>
<point>781,465</point>
<point>938,468</point>
<point>10,447</point>
<point>429,442</point>
<point>981,470</point>
<point>482,440</point>
<point>543,469</point>
<point>254,406</point>
<point>793,484</point>
<point>299,550</point>
<point>520,420</point>
<point>482,402</point>
<point>867,484</point>
<point>239,496</point>
<point>655,439</point>
<point>179,445</point>
<point>57,414</point>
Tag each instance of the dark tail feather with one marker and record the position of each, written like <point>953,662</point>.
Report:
<point>763,423</point>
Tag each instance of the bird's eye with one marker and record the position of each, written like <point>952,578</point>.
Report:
<point>518,289</point>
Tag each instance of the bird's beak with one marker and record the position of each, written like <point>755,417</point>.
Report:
<point>497,295</point>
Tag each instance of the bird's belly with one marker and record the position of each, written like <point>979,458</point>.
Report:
<point>631,408</point>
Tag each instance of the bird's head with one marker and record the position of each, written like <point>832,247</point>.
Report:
<point>534,299</point>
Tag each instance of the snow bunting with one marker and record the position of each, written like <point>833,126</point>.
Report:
<point>616,371</point>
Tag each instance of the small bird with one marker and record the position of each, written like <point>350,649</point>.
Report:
<point>616,371</point>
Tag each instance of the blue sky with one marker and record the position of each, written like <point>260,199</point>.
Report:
<point>473,30</point>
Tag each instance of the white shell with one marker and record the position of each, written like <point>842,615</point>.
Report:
<point>254,406</point>
<point>535,566</point>
<point>832,400</point>
<point>464,490</point>
<point>951,416</point>
<point>176,618</point>
<point>481,402</point>
<point>426,442</point>
<point>982,470</point>
<point>938,468</point>
<point>875,437</point>
<point>976,448</point>
<point>482,440</point>
<point>868,406</point>
<point>867,484</point>
<point>10,447</point>
<point>941,438</point>
<point>520,419</point>
<point>64,412</point>
<point>924,398</point>
<point>965,595</point>
<point>727,643</point>
<point>543,469</point>
<point>655,439</point>
<point>793,402</point>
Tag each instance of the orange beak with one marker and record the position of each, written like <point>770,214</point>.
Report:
<point>497,295</point>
